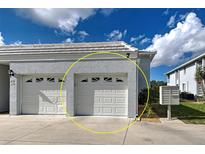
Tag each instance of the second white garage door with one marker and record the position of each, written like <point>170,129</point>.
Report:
<point>102,95</point>
<point>41,95</point>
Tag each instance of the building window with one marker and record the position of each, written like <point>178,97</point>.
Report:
<point>95,79</point>
<point>29,80</point>
<point>177,75</point>
<point>183,87</point>
<point>184,70</point>
<point>84,80</point>
<point>51,79</point>
<point>108,79</point>
<point>119,80</point>
<point>187,86</point>
<point>39,79</point>
<point>60,80</point>
<point>200,63</point>
<point>168,78</point>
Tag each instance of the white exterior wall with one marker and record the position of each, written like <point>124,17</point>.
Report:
<point>105,66</point>
<point>187,78</point>
<point>171,81</point>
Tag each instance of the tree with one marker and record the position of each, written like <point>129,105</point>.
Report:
<point>154,95</point>
<point>154,92</point>
<point>200,77</point>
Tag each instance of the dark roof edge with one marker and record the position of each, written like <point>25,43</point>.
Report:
<point>186,63</point>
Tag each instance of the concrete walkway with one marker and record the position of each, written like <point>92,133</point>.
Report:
<point>60,130</point>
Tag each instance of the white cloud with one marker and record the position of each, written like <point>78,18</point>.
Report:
<point>141,39</point>
<point>64,19</point>
<point>135,39</point>
<point>82,35</point>
<point>166,12</point>
<point>172,21</point>
<point>144,40</point>
<point>1,39</point>
<point>17,43</point>
<point>188,36</point>
<point>107,11</point>
<point>68,40</point>
<point>116,35</point>
<point>125,33</point>
<point>182,16</point>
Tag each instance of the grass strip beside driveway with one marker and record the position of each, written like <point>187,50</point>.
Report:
<point>188,112</point>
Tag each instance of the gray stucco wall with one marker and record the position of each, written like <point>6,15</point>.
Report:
<point>4,88</point>
<point>14,95</point>
<point>94,66</point>
<point>144,63</point>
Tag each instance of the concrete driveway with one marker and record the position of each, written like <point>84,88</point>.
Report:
<point>59,130</point>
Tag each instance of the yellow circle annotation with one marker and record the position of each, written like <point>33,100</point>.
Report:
<point>89,129</point>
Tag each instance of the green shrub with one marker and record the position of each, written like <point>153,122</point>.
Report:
<point>148,112</point>
<point>187,96</point>
<point>154,92</point>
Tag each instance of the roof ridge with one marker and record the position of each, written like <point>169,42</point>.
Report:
<point>64,44</point>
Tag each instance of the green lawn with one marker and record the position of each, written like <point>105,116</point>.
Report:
<point>188,112</point>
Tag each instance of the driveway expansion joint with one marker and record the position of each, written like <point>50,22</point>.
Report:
<point>124,138</point>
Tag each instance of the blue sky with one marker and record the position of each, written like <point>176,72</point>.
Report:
<point>177,34</point>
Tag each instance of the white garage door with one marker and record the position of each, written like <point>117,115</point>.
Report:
<point>101,95</point>
<point>41,95</point>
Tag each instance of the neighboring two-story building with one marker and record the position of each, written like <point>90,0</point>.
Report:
<point>184,75</point>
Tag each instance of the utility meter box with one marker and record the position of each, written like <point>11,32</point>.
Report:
<point>169,95</point>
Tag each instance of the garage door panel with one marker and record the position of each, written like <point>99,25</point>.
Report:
<point>120,100</point>
<point>107,110</point>
<point>42,97</point>
<point>110,105</point>
<point>107,100</point>
<point>114,92</point>
<point>101,97</point>
<point>47,109</point>
<point>110,100</point>
<point>121,110</point>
